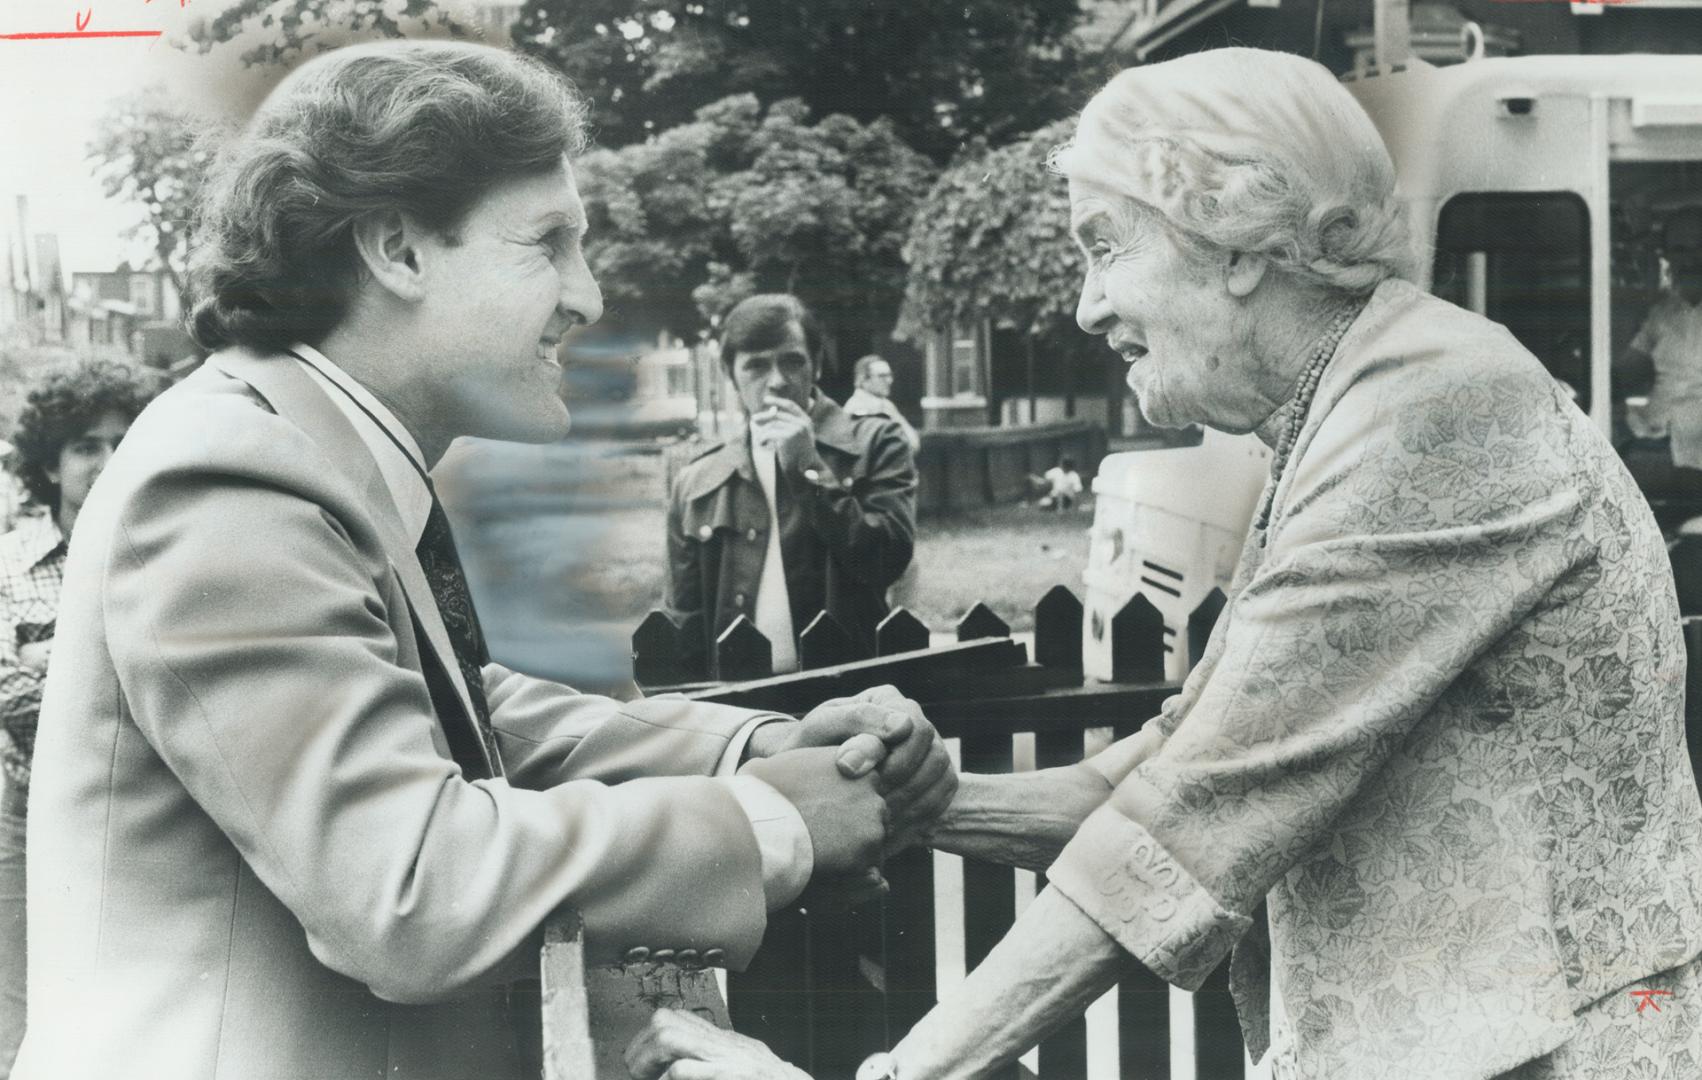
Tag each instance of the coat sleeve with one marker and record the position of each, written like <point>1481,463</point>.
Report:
<point>870,525</point>
<point>253,639</point>
<point>1382,584</point>
<point>549,733</point>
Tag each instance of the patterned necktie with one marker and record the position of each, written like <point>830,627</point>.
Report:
<point>442,566</point>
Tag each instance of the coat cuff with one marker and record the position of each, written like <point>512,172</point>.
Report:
<point>1124,880</point>
<point>782,839</point>
<point>1120,758</point>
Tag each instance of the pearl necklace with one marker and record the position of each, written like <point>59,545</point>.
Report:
<point>1305,388</point>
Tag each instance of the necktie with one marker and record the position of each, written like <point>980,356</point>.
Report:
<point>442,566</point>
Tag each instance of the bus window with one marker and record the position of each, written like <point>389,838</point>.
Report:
<point>1524,261</point>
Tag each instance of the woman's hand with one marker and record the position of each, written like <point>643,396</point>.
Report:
<point>683,1046</point>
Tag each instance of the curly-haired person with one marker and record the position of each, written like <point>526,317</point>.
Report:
<point>72,420</point>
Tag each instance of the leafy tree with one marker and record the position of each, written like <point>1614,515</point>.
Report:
<point>993,239</point>
<point>742,199</point>
<point>148,153</point>
<point>941,73</point>
<point>280,29</point>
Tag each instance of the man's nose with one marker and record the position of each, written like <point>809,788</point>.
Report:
<point>580,296</point>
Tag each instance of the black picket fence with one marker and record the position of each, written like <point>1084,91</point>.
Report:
<point>670,655</point>
<point>830,987</point>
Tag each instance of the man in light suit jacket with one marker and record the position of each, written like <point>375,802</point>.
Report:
<point>288,820</point>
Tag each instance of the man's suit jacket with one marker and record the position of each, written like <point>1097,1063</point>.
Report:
<point>250,853</point>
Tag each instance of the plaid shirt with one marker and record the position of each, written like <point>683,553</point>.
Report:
<point>32,563</point>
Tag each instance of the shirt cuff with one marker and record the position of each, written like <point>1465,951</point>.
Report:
<point>782,839</point>
<point>1124,880</point>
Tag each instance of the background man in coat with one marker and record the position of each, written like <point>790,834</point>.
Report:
<point>808,509</point>
<point>872,376</point>
<point>287,818</point>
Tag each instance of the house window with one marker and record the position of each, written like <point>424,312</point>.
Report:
<point>966,358</point>
<point>142,294</point>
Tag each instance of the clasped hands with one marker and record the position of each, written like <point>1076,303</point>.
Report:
<point>868,774</point>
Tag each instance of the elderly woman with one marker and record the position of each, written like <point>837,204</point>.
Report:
<point>1428,781</point>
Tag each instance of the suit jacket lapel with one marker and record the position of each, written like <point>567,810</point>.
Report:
<point>295,395</point>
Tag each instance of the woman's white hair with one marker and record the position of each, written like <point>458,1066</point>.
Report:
<point>1250,150</point>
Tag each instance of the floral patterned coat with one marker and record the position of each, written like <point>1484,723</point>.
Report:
<point>1438,731</point>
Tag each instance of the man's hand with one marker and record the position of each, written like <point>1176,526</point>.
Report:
<point>846,817</point>
<point>844,892</point>
<point>865,727</point>
<point>883,730</point>
<point>784,425</point>
<point>916,777</point>
<point>683,1046</point>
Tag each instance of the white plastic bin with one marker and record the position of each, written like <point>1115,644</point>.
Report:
<point>1167,524</point>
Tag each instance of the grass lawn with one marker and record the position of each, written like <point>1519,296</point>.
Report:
<point>1007,556</point>
<point>564,547</point>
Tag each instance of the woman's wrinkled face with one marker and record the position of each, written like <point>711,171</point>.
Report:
<point>1170,317</point>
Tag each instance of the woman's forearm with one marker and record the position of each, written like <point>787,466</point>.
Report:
<point>1020,819</point>
<point>1053,964</point>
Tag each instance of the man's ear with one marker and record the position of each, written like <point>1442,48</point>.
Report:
<point>1243,272</point>
<point>388,247</point>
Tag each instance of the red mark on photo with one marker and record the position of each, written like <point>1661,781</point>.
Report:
<point>1646,998</point>
<point>82,19</point>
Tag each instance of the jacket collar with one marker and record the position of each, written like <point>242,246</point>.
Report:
<point>293,394</point>
<point>833,428</point>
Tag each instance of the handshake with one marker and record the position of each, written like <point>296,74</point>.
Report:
<point>869,776</point>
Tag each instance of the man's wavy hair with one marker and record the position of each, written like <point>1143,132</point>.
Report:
<point>420,128</point>
<point>67,402</point>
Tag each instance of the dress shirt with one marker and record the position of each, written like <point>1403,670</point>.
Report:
<point>773,601</point>
<point>32,562</point>
<point>781,835</point>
